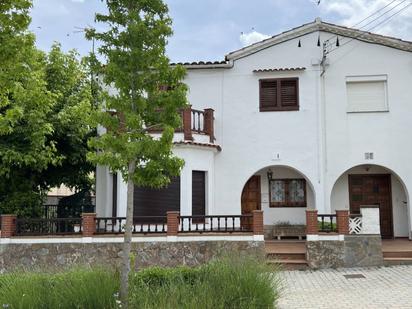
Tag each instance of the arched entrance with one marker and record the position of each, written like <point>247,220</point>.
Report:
<point>282,192</point>
<point>368,184</point>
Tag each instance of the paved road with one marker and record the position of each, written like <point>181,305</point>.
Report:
<point>385,287</point>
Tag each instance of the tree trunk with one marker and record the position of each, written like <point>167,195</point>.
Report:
<point>124,280</point>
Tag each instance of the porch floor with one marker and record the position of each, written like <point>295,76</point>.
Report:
<point>397,251</point>
<point>398,245</point>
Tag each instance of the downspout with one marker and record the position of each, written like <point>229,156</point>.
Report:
<point>322,154</point>
<point>324,157</point>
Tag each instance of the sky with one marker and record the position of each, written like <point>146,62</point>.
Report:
<point>207,30</point>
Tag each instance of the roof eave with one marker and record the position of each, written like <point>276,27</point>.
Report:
<point>202,65</point>
<point>276,39</point>
<point>321,26</point>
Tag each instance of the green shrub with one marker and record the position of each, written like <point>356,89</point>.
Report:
<point>231,282</point>
<point>73,289</point>
<point>160,276</point>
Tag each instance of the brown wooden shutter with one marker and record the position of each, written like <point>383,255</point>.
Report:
<point>281,94</point>
<point>268,94</point>
<point>198,193</point>
<point>289,92</point>
<point>156,202</point>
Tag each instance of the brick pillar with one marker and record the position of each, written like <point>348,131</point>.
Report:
<point>311,221</point>
<point>209,123</point>
<point>187,123</point>
<point>257,222</point>
<point>172,223</point>
<point>89,224</point>
<point>8,225</point>
<point>342,221</point>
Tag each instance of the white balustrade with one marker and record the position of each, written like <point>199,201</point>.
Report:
<point>355,225</point>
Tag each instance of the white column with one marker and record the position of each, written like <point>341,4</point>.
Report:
<point>121,196</point>
<point>103,191</point>
<point>320,203</point>
<point>186,191</point>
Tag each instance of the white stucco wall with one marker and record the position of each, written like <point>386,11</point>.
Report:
<point>252,140</point>
<point>196,159</point>
<point>321,140</point>
<point>386,134</point>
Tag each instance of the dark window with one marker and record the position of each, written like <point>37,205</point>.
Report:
<point>281,94</point>
<point>198,193</point>
<point>156,202</point>
<point>287,193</point>
<point>114,195</point>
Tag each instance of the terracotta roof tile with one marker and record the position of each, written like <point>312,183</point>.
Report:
<point>198,144</point>
<point>279,70</point>
<point>200,63</point>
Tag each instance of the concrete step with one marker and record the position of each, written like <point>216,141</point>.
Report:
<point>285,247</point>
<point>285,256</point>
<point>397,261</point>
<point>397,254</point>
<point>285,264</point>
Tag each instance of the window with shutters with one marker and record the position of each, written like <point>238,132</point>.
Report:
<point>156,202</point>
<point>280,94</point>
<point>367,94</point>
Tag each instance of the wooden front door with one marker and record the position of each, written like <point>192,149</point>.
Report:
<point>373,190</point>
<point>250,198</point>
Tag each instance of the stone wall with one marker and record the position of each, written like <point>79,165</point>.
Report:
<point>64,255</point>
<point>363,250</point>
<point>325,254</point>
<point>354,251</point>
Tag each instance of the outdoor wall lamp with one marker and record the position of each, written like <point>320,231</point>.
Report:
<point>270,174</point>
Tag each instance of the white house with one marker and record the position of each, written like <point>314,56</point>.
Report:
<point>316,117</point>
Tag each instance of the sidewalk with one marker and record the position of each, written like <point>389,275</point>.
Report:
<point>385,287</point>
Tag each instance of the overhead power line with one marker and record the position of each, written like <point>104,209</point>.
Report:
<point>384,21</point>
<point>377,11</point>
<point>369,16</point>
<point>383,14</point>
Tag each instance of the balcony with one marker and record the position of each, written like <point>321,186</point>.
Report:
<point>198,125</point>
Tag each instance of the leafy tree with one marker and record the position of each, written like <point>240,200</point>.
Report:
<point>69,80</point>
<point>138,71</point>
<point>25,103</point>
<point>45,102</point>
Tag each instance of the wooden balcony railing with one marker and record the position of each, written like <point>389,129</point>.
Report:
<point>198,122</point>
<point>42,226</point>
<point>193,122</point>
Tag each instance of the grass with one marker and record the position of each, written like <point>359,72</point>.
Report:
<point>78,288</point>
<point>231,282</point>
